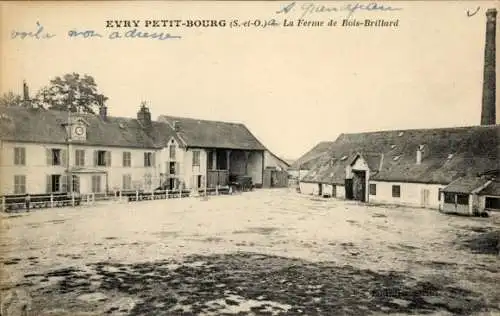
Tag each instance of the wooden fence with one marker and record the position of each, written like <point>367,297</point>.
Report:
<point>28,202</point>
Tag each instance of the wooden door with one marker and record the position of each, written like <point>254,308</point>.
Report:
<point>424,194</point>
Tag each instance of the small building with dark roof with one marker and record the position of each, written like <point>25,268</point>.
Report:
<point>472,194</point>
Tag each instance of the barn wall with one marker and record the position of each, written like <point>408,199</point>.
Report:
<point>411,194</point>
<point>308,188</point>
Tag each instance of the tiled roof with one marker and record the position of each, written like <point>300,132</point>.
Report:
<point>465,185</point>
<point>47,126</point>
<point>448,153</point>
<point>311,158</point>
<point>492,189</point>
<point>213,134</point>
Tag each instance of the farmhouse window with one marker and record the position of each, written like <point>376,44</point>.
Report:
<point>127,182</point>
<point>449,198</point>
<point>76,183</point>
<point>492,203</point>
<point>172,167</point>
<point>149,159</point>
<point>56,157</point>
<point>80,157</point>
<point>126,159</point>
<point>96,183</point>
<point>102,158</point>
<point>19,184</point>
<point>56,183</point>
<point>196,158</point>
<point>463,199</point>
<point>172,152</point>
<point>396,191</point>
<point>334,190</point>
<point>373,189</point>
<point>19,156</point>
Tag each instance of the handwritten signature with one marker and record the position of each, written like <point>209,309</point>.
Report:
<point>351,8</point>
<point>40,33</point>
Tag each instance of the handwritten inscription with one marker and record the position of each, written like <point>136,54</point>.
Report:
<point>135,33</point>
<point>312,8</point>
<point>39,33</point>
<point>469,14</point>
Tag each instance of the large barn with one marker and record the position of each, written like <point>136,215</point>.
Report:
<point>451,169</point>
<point>407,167</point>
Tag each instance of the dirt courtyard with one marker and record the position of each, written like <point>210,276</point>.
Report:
<point>268,252</point>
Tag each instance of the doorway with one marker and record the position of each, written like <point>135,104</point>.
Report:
<point>359,185</point>
<point>424,196</point>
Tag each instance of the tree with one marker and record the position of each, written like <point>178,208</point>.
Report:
<point>71,92</point>
<point>10,99</point>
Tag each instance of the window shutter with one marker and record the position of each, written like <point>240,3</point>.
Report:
<point>96,156</point>
<point>82,153</point>
<point>124,160</point>
<point>153,159</point>
<point>49,184</point>
<point>64,183</point>
<point>48,155</point>
<point>145,159</point>
<point>108,158</point>
<point>64,157</point>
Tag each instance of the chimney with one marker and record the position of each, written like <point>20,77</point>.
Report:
<point>103,112</point>
<point>177,126</point>
<point>26,93</point>
<point>420,150</point>
<point>144,116</point>
<point>488,115</point>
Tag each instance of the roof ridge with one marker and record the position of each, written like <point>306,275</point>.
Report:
<point>424,129</point>
<point>200,119</point>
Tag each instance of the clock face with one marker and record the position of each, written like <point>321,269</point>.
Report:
<point>79,130</point>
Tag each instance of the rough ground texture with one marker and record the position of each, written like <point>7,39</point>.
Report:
<point>268,252</point>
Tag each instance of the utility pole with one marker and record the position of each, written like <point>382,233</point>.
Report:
<point>70,132</point>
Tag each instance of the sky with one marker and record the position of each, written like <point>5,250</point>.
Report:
<point>292,86</point>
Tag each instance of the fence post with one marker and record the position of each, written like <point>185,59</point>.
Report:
<point>73,199</point>
<point>217,189</point>
<point>152,195</point>
<point>93,197</point>
<point>3,204</point>
<point>120,195</point>
<point>166,194</point>
<point>137,195</point>
<point>51,200</point>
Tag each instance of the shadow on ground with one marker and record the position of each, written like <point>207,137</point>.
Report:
<point>485,241</point>
<point>245,283</point>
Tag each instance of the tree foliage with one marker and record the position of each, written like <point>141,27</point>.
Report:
<point>10,99</point>
<point>71,92</point>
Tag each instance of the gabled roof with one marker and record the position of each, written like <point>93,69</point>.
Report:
<point>448,153</point>
<point>213,134</point>
<point>312,157</point>
<point>466,185</point>
<point>286,163</point>
<point>47,126</point>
